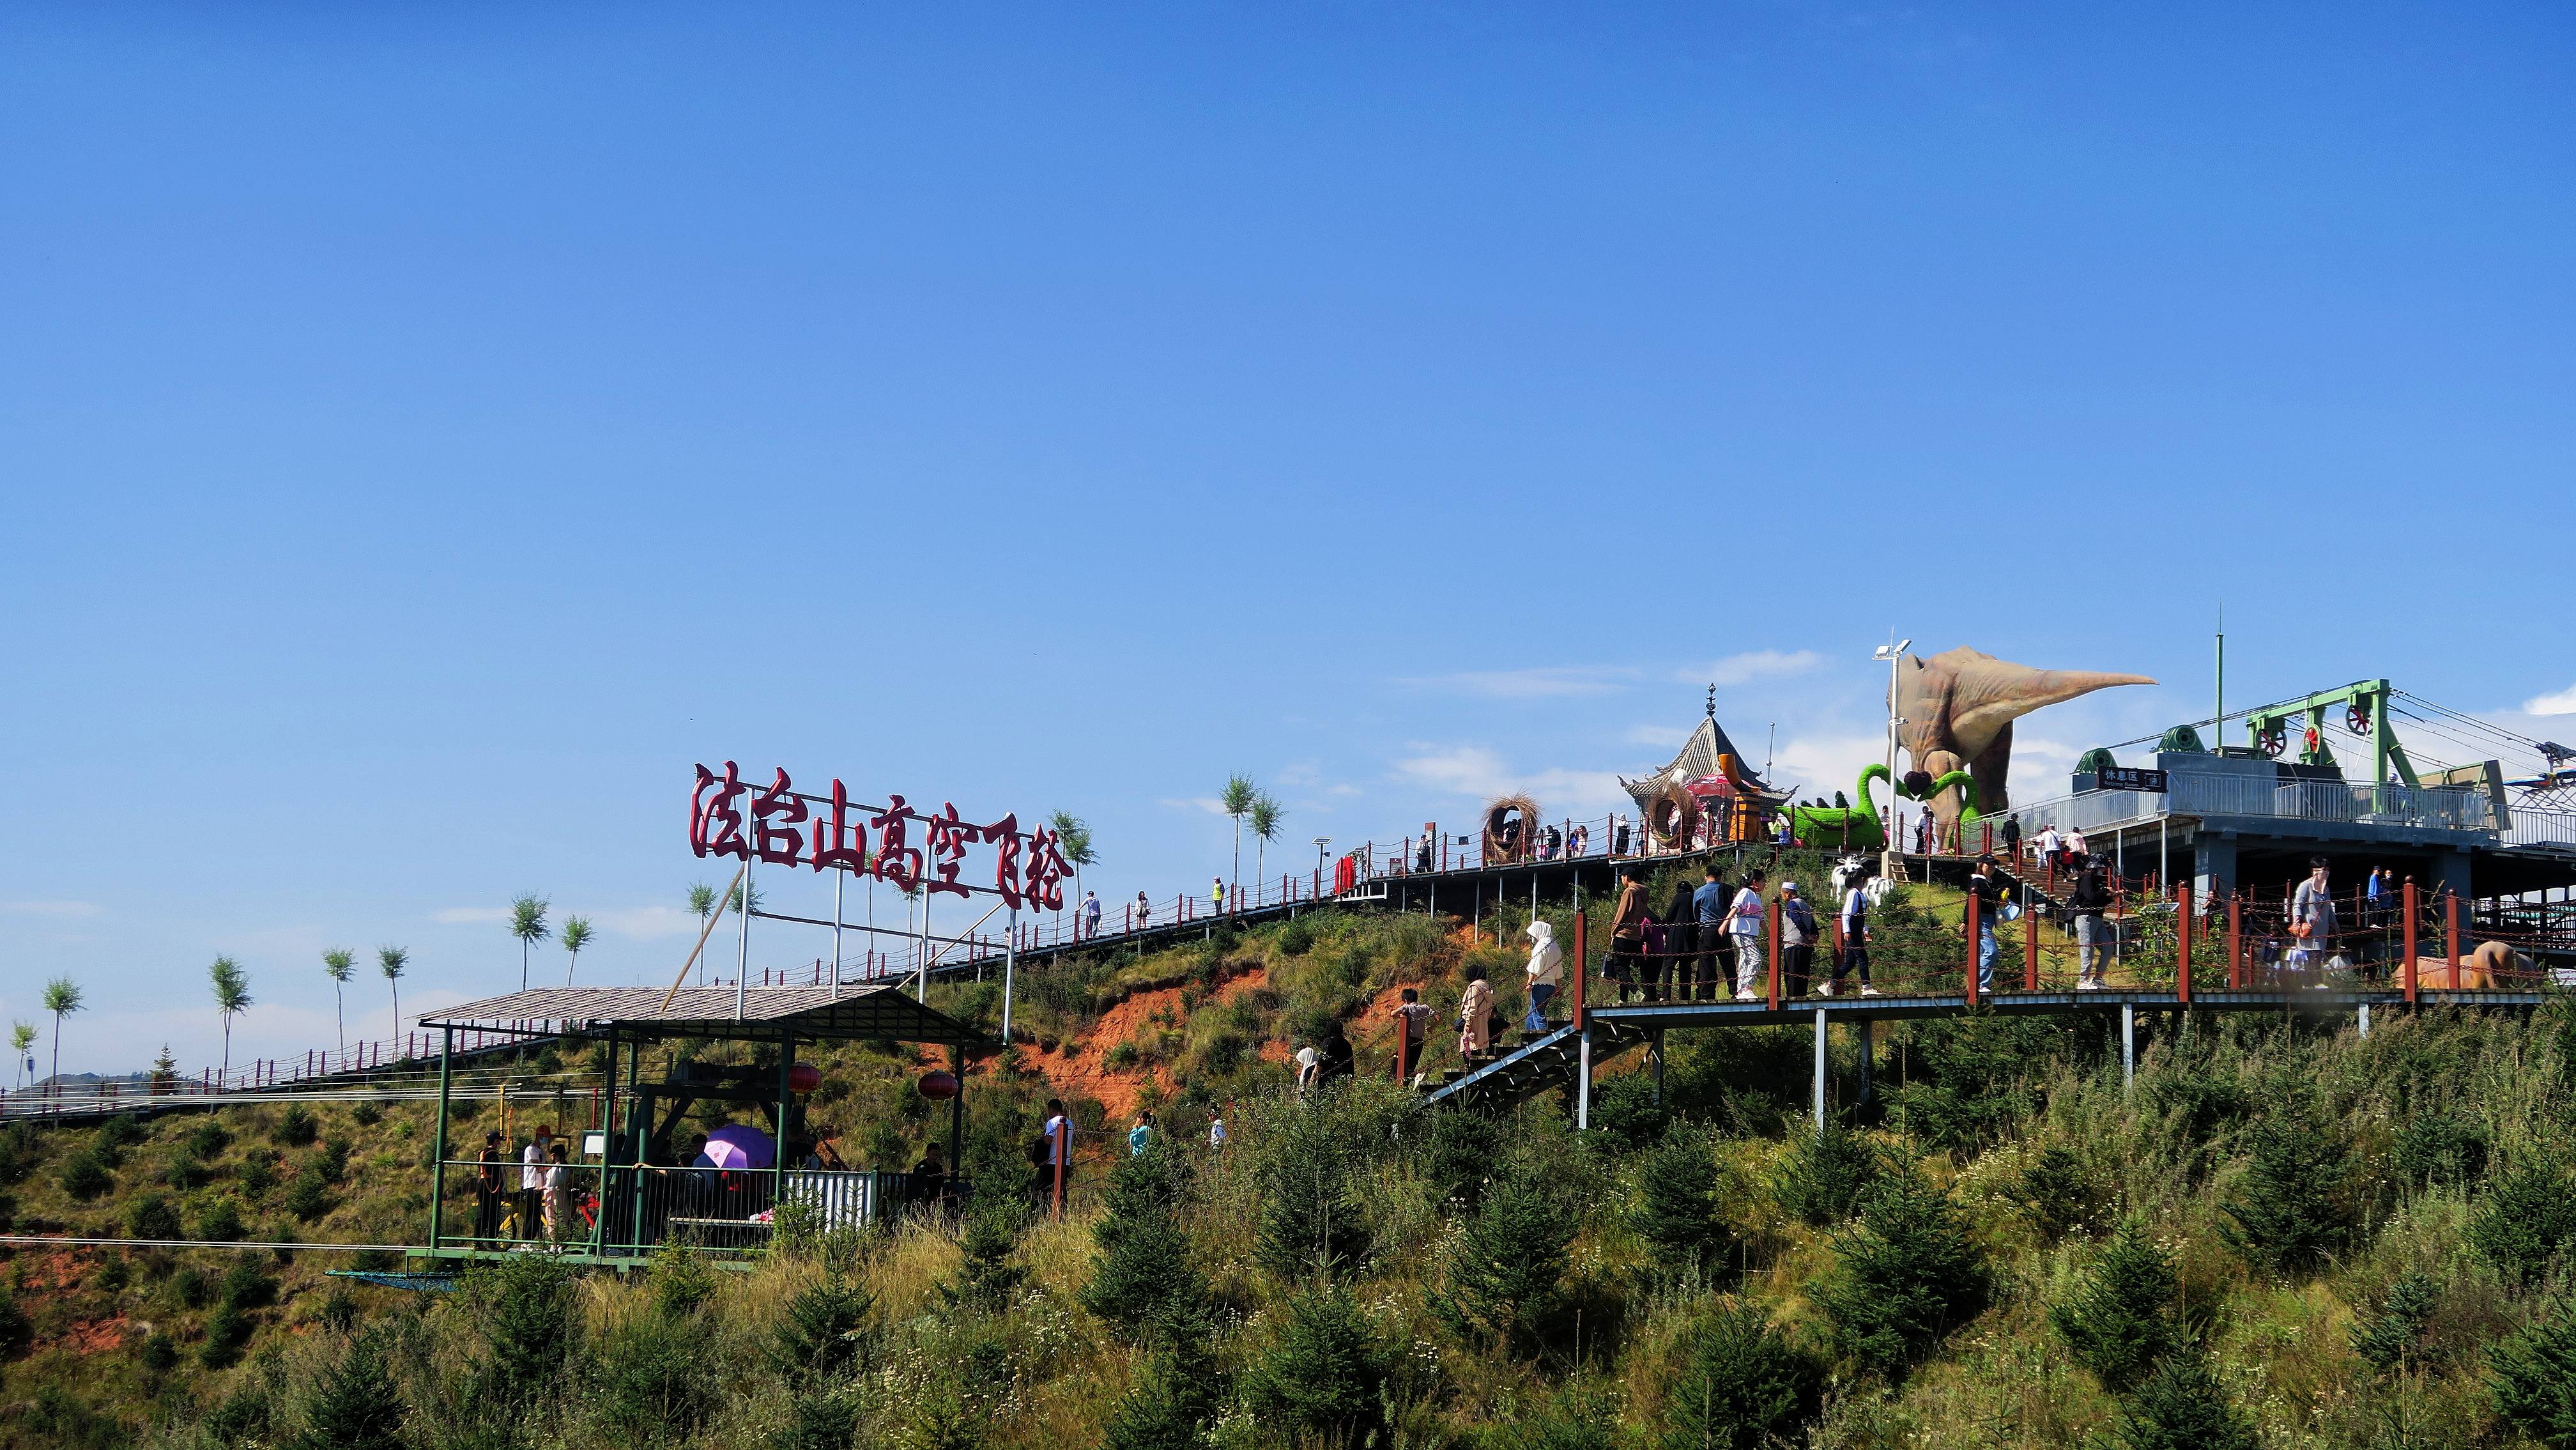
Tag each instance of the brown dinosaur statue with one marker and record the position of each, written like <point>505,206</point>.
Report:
<point>1959,707</point>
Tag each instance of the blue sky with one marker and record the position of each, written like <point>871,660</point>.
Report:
<point>427,431</point>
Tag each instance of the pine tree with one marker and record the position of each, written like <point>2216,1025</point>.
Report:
<point>1826,1175</point>
<point>2388,1339</point>
<point>1143,1266</point>
<point>1462,1151</point>
<point>1676,1207</point>
<point>820,1340</point>
<point>2123,1319</point>
<point>1743,1386</point>
<point>1584,1415</point>
<point>353,1403</point>
<point>2524,1220</point>
<point>1325,1373</point>
<point>986,1277</point>
<point>2531,1376</point>
<point>1172,1402</point>
<point>2058,1191</point>
<point>2182,1406</point>
<point>1310,1214</point>
<point>528,1327</point>
<point>2288,1211</point>
<point>1501,1281</point>
<point>1903,1277</point>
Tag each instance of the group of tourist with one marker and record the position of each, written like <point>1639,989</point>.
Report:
<point>1683,950</point>
<point>542,1209</point>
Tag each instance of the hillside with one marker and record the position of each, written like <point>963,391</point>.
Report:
<point>2285,1235</point>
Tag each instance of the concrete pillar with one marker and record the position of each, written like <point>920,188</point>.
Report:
<point>1868,1051</point>
<point>2128,1046</point>
<point>2363,1017</point>
<point>2451,869</point>
<point>1656,1049</point>
<point>1820,1069</point>
<point>2213,866</point>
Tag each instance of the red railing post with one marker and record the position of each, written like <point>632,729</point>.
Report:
<point>2451,933</point>
<point>2182,943</point>
<point>2029,945</point>
<point>1974,932</point>
<point>2410,941</point>
<point>2235,941</point>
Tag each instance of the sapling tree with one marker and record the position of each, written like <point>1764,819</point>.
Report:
<point>1904,1276</point>
<point>576,935</point>
<point>2182,1406</point>
<point>528,924</point>
<point>2288,1212</point>
<point>2125,1316</point>
<point>1236,801</point>
<point>232,995</point>
<point>391,961</point>
<point>1741,1384</point>
<point>338,964</point>
<point>62,998</point>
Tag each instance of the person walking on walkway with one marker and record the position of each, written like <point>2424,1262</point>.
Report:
<point>1854,959</point>
<point>1413,1017</point>
<point>1546,969</point>
<point>1671,959</point>
<point>1987,897</point>
<point>1627,933</point>
<point>532,1183</point>
<point>2089,901</point>
<point>2312,919</point>
<point>2049,846</point>
<point>1474,1008</point>
<point>488,1192</point>
<point>1708,913</point>
<point>2012,839</point>
<point>1744,922</point>
<point>1090,915</point>
<point>1144,912</point>
<point>1797,940</point>
<point>1216,896</point>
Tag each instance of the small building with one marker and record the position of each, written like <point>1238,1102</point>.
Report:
<point>635,1184</point>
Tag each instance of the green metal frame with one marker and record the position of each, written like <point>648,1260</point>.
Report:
<point>2313,712</point>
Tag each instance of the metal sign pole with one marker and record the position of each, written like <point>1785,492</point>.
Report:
<point>921,970</point>
<point>1010,961</point>
<point>839,879</point>
<point>742,962</point>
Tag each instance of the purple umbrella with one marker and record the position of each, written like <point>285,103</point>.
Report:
<point>740,1145</point>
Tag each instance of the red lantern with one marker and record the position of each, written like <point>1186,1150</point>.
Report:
<point>938,1086</point>
<point>803,1077</point>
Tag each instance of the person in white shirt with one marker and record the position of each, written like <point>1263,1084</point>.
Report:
<point>532,1183</point>
<point>1546,970</point>
<point>1744,922</point>
<point>1216,1131</point>
<point>1309,1062</point>
<point>558,1195</point>
<point>1855,954</point>
<point>1058,1136</point>
<point>2049,845</point>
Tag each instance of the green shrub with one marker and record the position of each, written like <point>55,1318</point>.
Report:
<point>1325,1373</point>
<point>821,1338</point>
<point>1741,1387</point>
<point>191,1287</point>
<point>1625,1115</point>
<point>1311,1217</point>
<point>114,1137</point>
<point>2389,1339</point>
<point>1676,1209</point>
<point>294,1128</point>
<point>1582,1415</point>
<point>2182,1406</point>
<point>1459,1157</point>
<point>1170,1404</point>
<point>15,1332</point>
<point>159,1352</point>
<point>257,1174</point>
<point>1142,1268</point>
<point>309,1196</point>
<point>1296,938</point>
<point>987,1280</point>
<point>2437,1146</point>
<point>1500,1282</point>
<point>152,1217</point>
<point>185,1172</point>
<point>648,1380</point>
<point>2287,1213</point>
<point>227,1330</point>
<point>2123,1319</point>
<point>680,1278</point>
<point>367,1115</point>
<point>208,1139</point>
<point>334,1160</point>
<point>2524,1220</point>
<point>352,1402</point>
<point>2531,1376</point>
<point>2058,1192</point>
<point>244,1416</point>
<point>84,1177</point>
<point>220,1221</point>
<point>1903,1277</point>
<point>21,1147</point>
<point>1826,1175</point>
<point>1970,1077</point>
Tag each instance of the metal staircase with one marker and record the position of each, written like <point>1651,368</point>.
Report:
<point>1542,1061</point>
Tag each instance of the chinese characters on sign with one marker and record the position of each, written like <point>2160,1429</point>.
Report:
<point>775,824</point>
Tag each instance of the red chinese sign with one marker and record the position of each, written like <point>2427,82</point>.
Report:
<point>785,827</point>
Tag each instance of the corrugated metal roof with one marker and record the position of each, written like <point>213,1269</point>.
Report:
<point>880,1011</point>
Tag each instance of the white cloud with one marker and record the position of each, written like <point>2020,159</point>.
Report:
<point>469,915</point>
<point>50,908</point>
<point>2561,703</point>
<point>1209,804</point>
<point>1666,736</point>
<point>648,923</point>
<point>1538,682</point>
<point>1813,765</point>
<point>1743,669</point>
<point>1480,774</point>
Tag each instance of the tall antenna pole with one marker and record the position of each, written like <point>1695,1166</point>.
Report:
<point>2221,728</point>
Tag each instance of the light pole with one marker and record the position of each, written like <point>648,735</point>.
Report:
<point>1892,653</point>
<point>1320,843</point>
